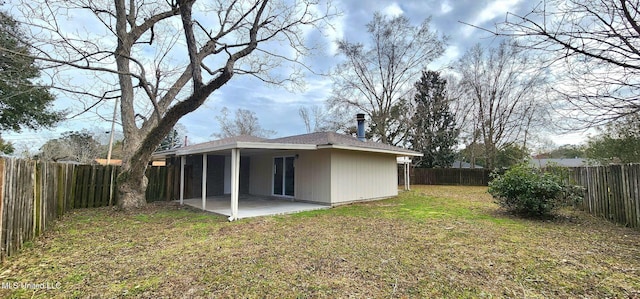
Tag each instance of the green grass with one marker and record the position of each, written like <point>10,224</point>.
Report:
<point>435,241</point>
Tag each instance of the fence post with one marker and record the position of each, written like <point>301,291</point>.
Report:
<point>37,198</point>
<point>2,175</point>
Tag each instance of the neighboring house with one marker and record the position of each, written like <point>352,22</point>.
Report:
<point>115,162</point>
<point>460,164</point>
<point>327,168</point>
<point>571,162</point>
<point>118,162</point>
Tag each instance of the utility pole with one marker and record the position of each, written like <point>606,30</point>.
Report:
<point>113,127</point>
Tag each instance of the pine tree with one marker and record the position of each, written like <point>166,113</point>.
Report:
<point>172,140</point>
<point>22,103</point>
<point>434,126</point>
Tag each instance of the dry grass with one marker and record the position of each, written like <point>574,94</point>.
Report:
<point>435,241</point>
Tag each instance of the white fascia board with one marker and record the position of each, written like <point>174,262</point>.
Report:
<point>188,151</point>
<point>247,145</point>
<point>280,146</point>
<point>164,154</point>
<point>373,150</point>
<point>160,155</point>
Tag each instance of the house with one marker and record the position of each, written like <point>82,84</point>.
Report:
<point>118,162</point>
<point>563,162</point>
<point>324,168</point>
<point>461,164</point>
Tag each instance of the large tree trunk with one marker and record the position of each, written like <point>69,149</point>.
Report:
<point>141,143</point>
<point>131,190</point>
<point>132,182</point>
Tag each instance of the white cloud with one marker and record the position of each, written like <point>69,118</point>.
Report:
<point>334,33</point>
<point>393,10</point>
<point>445,7</point>
<point>451,53</point>
<point>491,11</point>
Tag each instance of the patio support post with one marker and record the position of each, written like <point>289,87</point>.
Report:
<point>204,181</point>
<point>235,182</point>
<point>183,161</point>
<point>407,177</point>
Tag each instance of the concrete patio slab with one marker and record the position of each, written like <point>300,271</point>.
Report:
<point>253,206</point>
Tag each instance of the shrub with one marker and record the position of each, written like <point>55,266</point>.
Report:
<point>527,190</point>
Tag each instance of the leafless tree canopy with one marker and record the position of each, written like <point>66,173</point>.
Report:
<point>498,99</point>
<point>162,59</point>
<point>244,123</point>
<point>593,50</point>
<point>78,147</point>
<point>318,119</point>
<point>375,77</point>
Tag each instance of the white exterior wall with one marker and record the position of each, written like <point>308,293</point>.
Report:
<point>359,176</point>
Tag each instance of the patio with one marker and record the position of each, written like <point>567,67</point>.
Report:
<point>253,206</point>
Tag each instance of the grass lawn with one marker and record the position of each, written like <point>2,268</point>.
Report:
<point>435,241</point>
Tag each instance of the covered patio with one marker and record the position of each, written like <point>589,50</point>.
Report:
<point>253,206</point>
<point>246,176</point>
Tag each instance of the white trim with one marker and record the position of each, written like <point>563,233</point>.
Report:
<point>407,177</point>
<point>243,145</point>
<point>367,149</point>
<point>269,145</point>
<point>290,146</point>
<point>204,181</point>
<point>235,182</point>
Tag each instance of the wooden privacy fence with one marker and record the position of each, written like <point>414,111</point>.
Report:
<point>446,176</point>
<point>33,194</point>
<point>612,191</point>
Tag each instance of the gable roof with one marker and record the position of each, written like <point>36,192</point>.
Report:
<point>311,141</point>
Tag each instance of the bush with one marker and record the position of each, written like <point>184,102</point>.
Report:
<point>527,190</point>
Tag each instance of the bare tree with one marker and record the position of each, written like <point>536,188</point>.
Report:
<point>374,79</point>
<point>593,47</point>
<point>317,119</point>
<point>136,51</point>
<point>78,147</point>
<point>244,123</point>
<point>500,90</point>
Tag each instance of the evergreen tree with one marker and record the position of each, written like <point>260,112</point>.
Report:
<point>22,103</point>
<point>172,140</point>
<point>6,147</point>
<point>434,126</point>
<point>619,142</point>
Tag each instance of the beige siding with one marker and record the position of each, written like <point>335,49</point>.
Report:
<point>362,176</point>
<point>260,175</point>
<point>313,176</point>
<point>330,176</point>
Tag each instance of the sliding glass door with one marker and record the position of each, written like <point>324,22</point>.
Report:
<point>283,176</point>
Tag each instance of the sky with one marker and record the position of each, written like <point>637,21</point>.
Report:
<point>277,108</point>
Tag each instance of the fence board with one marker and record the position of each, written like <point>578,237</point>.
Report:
<point>104,197</point>
<point>445,176</point>
<point>91,187</point>
<point>2,208</point>
<point>34,194</point>
<point>612,192</point>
